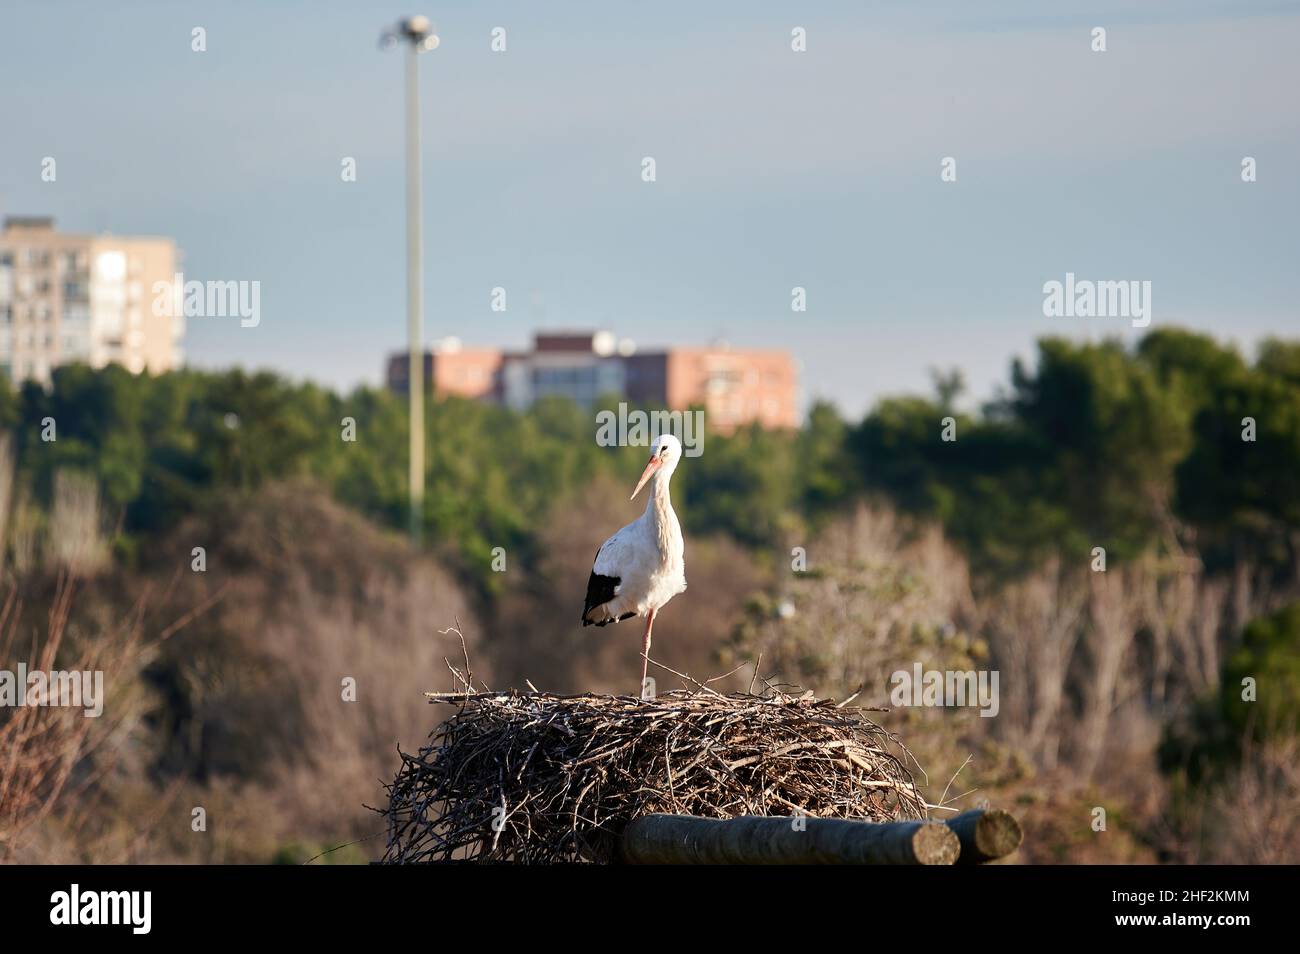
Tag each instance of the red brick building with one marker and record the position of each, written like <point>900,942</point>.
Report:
<point>734,386</point>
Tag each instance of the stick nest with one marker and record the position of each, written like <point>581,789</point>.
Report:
<point>538,778</point>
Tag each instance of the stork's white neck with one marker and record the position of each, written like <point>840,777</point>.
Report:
<point>660,505</point>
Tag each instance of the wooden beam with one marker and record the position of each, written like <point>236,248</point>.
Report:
<point>760,840</point>
<point>986,835</point>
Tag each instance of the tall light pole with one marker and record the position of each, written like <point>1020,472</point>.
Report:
<point>419,36</point>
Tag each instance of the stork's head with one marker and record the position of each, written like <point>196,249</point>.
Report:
<point>665,452</point>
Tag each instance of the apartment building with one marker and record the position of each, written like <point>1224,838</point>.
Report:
<point>82,298</point>
<point>734,386</point>
<point>450,369</point>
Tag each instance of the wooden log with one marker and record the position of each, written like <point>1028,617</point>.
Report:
<point>760,840</point>
<point>986,835</point>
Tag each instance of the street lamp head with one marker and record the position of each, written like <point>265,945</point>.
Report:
<point>417,30</point>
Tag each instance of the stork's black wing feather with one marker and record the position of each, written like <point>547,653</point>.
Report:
<point>601,589</point>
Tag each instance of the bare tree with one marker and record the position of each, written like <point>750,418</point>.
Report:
<point>1255,814</point>
<point>1033,628</point>
<point>43,747</point>
<point>76,540</point>
<point>1114,606</point>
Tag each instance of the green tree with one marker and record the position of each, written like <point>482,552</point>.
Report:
<point>1116,435</point>
<point>827,476</point>
<point>1269,655</point>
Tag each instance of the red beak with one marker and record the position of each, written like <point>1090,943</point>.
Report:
<point>650,468</point>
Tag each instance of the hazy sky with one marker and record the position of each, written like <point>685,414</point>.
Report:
<point>775,169</point>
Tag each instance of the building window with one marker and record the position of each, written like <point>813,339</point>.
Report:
<point>110,266</point>
<point>722,380</point>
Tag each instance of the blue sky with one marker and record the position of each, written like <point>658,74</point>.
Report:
<point>775,169</point>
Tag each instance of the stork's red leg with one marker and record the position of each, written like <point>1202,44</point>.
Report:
<point>645,650</point>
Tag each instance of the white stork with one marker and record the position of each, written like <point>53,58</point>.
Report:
<point>641,567</point>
